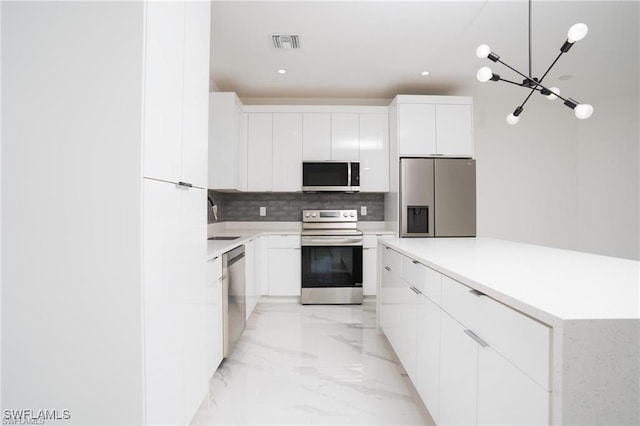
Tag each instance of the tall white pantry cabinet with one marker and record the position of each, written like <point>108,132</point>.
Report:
<point>104,170</point>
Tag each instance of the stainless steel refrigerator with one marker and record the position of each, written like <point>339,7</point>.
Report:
<point>437,197</point>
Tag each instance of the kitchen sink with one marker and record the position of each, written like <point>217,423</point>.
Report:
<point>223,238</point>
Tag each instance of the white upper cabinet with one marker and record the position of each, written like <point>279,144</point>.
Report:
<point>434,126</point>
<point>176,86</point>
<point>262,147</point>
<point>345,137</point>
<point>416,129</point>
<point>227,142</point>
<point>287,152</point>
<point>260,151</point>
<point>454,130</point>
<point>316,136</point>
<point>163,90</point>
<point>374,152</point>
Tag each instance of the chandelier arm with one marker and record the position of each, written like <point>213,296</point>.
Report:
<point>525,101</point>
<point>515,70</point>
<point>512,82</point>
<point>550,66</point>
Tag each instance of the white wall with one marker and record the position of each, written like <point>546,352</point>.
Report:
<point>557,181</point>
<point>71,211</point>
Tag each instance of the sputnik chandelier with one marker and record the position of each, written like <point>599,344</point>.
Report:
<point>576,33</point>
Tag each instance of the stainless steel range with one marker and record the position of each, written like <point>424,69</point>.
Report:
<point>331,257</point>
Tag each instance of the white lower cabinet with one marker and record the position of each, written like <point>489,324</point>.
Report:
<point>256,265</point>
<point>262,265</point>
<point>427,372</point>
<point>507,396</point>
<point>389,296</point>
<point>284,265</point>
<point>458,374</point>
<point>472,359</point>
<point>369,263</point>
<point>251,289</point>
<point>174,285</point>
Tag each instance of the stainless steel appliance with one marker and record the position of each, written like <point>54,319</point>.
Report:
<point>437,197</point>
<point>233,298</point>
<point>332,176</point>
<point>331,257</point>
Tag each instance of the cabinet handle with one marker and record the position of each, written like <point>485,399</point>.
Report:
<point>387,268</point>
<point>388,248</point>
<point>415,262</point>
<point>476,292</point>
<point>187,184</point>
<point>415,290</point>
<point>475,337</point>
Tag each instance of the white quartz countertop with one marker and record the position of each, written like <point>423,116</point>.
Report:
<point>247,231</point>
<point>217,248</point>
<point>548,284</point>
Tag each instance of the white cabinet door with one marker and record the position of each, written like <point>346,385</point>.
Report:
<point>284,272</point>
<point>374,152</point>
<point>227,153</point>
<point>454,132</point>
<point>428,355</point>
<point>262,265</point>
<point>260,151</point>
<point>369,272</point>
<point>458,374</point>
<point>193,285</point>
<point>507,396</point>
<point>407,344</point>
<point>251,290</point>
<point>345,136</point>
<point>243,150</point>
<point>287,152</point>
<point>316,136</point>
<point>163,90</point>
<point>195,114</point>
<point>163,310</point>
<point>389,316</point>
<point>416,129</point>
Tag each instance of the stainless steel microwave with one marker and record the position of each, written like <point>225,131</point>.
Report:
<point>331,176</point>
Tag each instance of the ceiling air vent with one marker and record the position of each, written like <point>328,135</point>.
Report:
<point>286,41</point>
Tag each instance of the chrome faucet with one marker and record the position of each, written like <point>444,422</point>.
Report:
<point>214,208</point>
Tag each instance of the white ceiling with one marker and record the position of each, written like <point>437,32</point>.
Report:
<point>377,49</point>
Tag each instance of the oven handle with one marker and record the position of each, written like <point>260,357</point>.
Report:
<point>331,241</point>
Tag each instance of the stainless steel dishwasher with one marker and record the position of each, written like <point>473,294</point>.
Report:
<point>233,298</point>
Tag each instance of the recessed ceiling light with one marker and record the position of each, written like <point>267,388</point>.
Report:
<point>424,73</point>
<point>282,71</point>
<point>565,77</point>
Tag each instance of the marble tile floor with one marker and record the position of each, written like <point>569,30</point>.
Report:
<point>312,365</point>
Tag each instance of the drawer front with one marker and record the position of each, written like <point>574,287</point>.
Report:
<point>425,279</point>
<point>392,260</point>
<point>414,273</point>
<point>214,270</point>
<point>284,241</point>
<point>522,340</point>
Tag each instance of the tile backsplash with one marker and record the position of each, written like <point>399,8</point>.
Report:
<point>288,206</point>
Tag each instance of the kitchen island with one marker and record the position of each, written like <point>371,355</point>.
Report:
<point>566,323</point>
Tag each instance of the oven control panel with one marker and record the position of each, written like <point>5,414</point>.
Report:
<point>329,216</point>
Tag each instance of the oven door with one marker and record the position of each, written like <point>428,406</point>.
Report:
<point>331,262</point>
